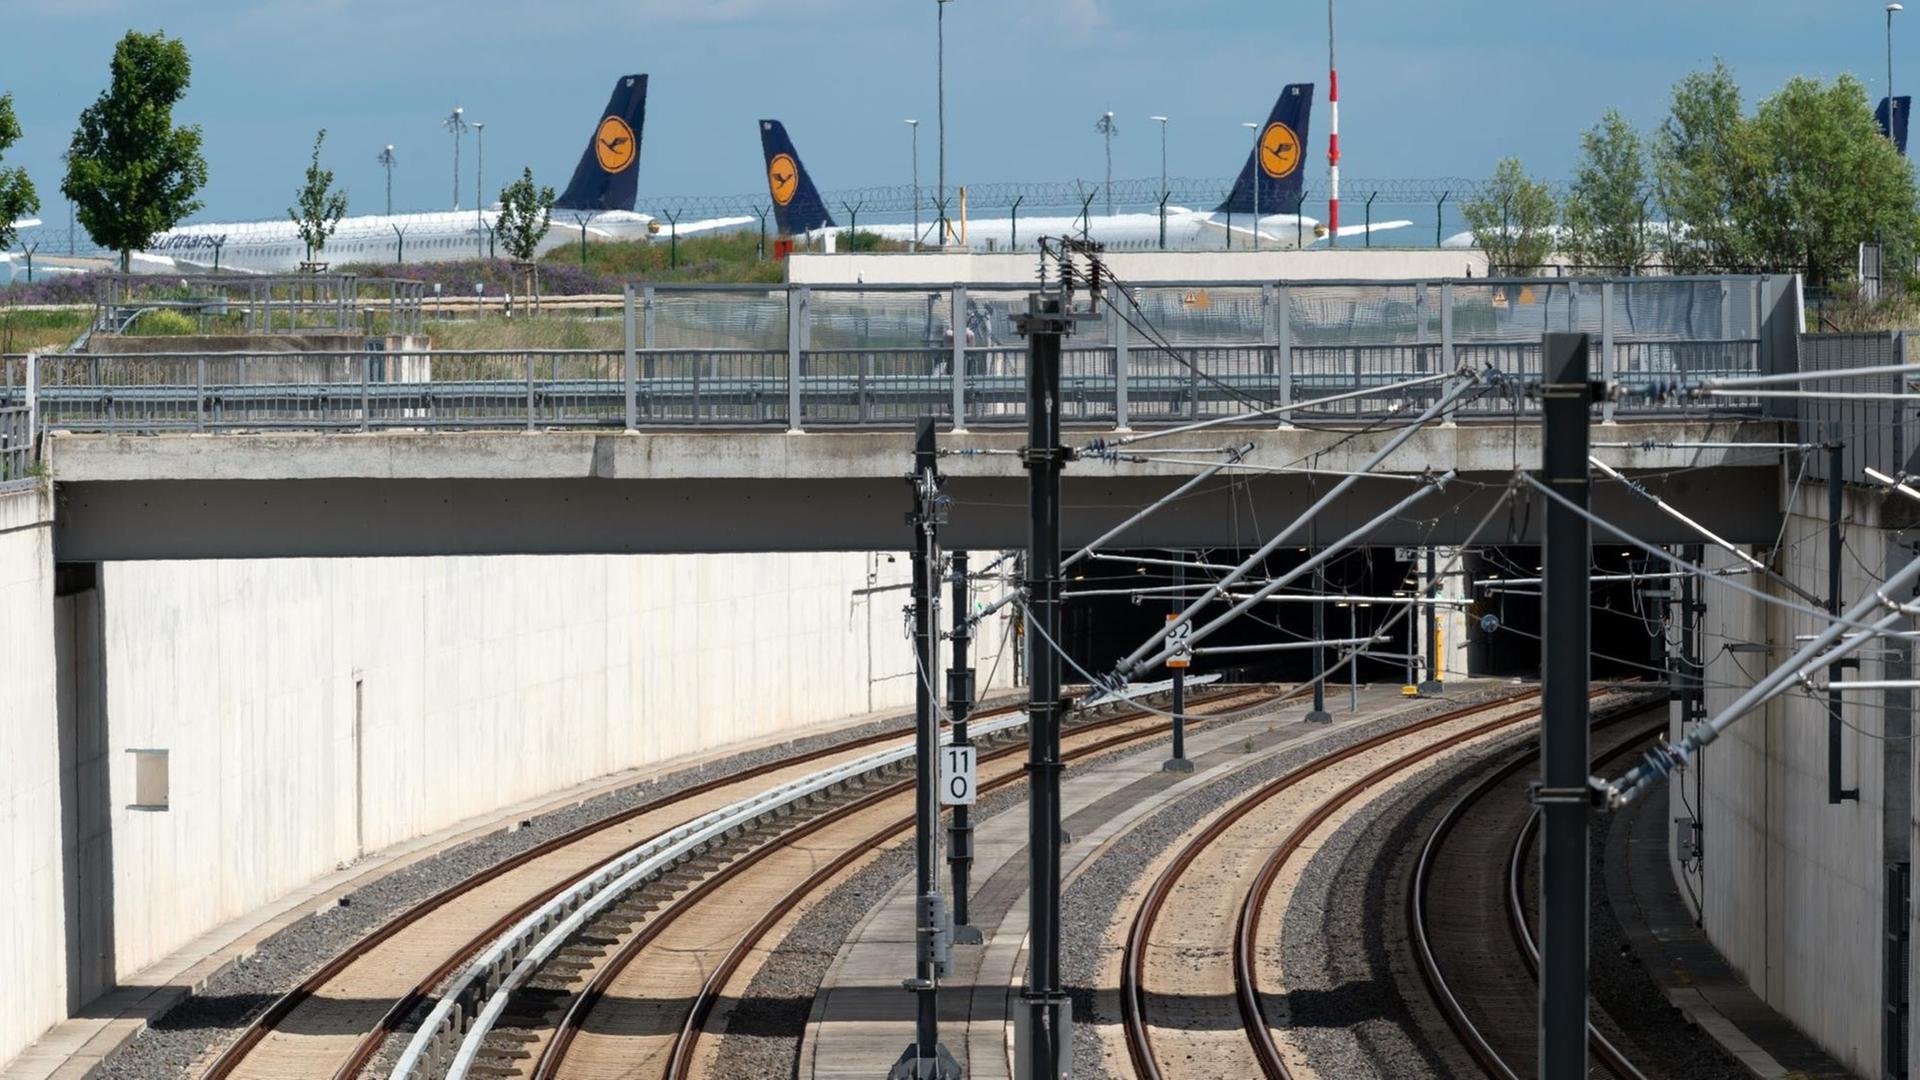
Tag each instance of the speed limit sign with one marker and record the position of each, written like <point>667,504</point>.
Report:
<point>956,776</point>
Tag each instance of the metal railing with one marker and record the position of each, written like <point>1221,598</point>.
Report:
<point>545,389</point>
<point>280,304</point>
<point>804,357</point>
<point>17,461</point>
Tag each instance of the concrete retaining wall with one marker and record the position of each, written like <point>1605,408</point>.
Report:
<point>316,709</point>
<point>313,710</point>
<point>1791,888</point>
<point>33,994</point>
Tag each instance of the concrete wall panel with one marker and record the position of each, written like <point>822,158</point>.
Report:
<point>317,709</point>
<point>1792,887</point>
<point>32,950</point>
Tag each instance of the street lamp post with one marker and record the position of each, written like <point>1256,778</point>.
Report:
<point>1162,121</point>
<point>915,125</point>
<point>1892,121</point>
<point>1258,168</point>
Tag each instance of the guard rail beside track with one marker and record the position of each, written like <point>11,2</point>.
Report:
<point>451,1035</point>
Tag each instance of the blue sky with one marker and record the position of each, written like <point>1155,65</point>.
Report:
<point>1428,89</point>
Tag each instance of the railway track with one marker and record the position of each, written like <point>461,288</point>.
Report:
<point>1221,879</point>
<point>644,1009</point>
<point>1469,929</point>
<point>333,1023</point>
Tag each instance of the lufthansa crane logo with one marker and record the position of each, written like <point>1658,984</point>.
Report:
<point>613,145</point>
<point>1279,150</point>
<point>783,178</point>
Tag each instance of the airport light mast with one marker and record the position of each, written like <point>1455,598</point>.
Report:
<point>388,161</point>
<point>456,122</point>
<point>915,125</point>
<point>479,196</point>
<point>1892,121</point>
<point>1258,167</point>
<point>1333,139</point>
<point>1164,194</point>
<point>1107,129</point>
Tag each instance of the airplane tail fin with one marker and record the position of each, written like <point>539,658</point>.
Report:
<point>1279,164</point>
<point>1898,130</point>
<point>796,202</point>
<point>608,176</point>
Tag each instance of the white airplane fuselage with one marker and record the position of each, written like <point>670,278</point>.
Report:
<point>1186,230</point>
<point>273,247</point>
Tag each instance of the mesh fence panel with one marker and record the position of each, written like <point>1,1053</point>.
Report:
<point>713,319</point>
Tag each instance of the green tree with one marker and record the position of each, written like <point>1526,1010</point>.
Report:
<point>1512,220</point>
<point>526,213</point>
<point>320,207</point>
<point>1821,180</point>
<point>17,197</point>
<point>1700,171</point>
<point>130,172</point>
<point>1606,209</point>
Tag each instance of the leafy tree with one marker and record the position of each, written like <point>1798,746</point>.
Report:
<point>320,207</point>
<point>1822,180</point>
<point>130,172</point>
<point>1700,172</point>
<point>526,213</point>
<point>1512,219</point>
<point>17,197</point>
<point>1606,210</point>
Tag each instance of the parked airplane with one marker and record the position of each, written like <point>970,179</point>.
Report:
<point>1277,166</point>
<point>599,200</point>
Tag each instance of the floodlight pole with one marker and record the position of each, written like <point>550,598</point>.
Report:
<point>1562,795</point>
<point>1045,1036</point>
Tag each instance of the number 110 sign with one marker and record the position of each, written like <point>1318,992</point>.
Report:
<point>956,776</point>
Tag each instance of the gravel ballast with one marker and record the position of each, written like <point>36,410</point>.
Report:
<point>1091,901</point>
<point>174,1041</point>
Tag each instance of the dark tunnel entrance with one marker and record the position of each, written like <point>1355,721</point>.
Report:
<point>1115,602</point>
<point>1503,625</point>
<point>1121,602</point>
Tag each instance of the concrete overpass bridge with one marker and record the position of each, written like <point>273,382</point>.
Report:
<point>794,434</point>
<point>417,493</point>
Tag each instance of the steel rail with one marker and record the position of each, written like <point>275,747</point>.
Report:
<point>1610,1055</point>
<point>1133,1005</point>
<point>1246,983</point>
<point>553,1055</point>
<point>283,1006</point>
<point>1450,1007</point>
<point>455,1030</point>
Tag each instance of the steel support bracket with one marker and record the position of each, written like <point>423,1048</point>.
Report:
<point>1539,794</point>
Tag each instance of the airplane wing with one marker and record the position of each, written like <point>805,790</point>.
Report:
<point>690,228</point>
<point>1378,226</point>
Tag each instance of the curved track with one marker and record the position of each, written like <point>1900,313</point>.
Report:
<point>1477,909</point>
<point>1206,918</point>
<point>361,996</point>
<point>647,1016</point>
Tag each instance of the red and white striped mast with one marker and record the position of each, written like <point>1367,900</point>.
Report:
<point>1333,138</point>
